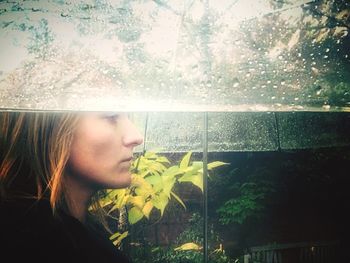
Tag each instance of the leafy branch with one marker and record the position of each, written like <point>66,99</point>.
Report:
<point>152,186</point>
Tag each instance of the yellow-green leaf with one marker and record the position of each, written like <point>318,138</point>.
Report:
<point>118,237</point>
<point>146,210</point>
<point>121,197</point>
<point>196,179</point>
<point>163,159</point>
<point>144,173</point>
<point>197,166</point>
<point>168,183</point>
<point>105,202</point>
<point>156,181</point>
<point>178,199</point>
<point>142,187</point>
<point>185,161</point>
<point>137,201</point>
<point>155,167</point>
<point>151,155</point>
<point>188,246</point>
<point>134,215</point>
<point>160,201</point>
<point>215,164</point>
<point>172,171</point>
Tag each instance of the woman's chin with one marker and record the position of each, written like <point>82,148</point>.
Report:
<point>123,180</point>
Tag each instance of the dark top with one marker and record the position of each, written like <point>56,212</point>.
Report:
<point>30,233</point>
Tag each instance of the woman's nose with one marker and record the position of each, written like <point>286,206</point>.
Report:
<point>132,136</point>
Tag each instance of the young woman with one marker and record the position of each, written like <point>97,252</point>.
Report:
<point>51,167</point>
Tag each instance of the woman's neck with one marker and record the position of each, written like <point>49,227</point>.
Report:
<point>78,196</point>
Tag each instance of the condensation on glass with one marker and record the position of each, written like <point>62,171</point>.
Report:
<point>170,132</point>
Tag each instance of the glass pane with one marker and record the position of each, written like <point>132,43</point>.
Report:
<point>313,130</point>
<point>289,206</point>
<point>245,55</point>
<point>172,165</point>
<point>174,132</point>
<point>249,131</point>
<point>169,132</point>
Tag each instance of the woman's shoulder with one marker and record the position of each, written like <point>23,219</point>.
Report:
<point>29,226</point>
<point>93,243</point>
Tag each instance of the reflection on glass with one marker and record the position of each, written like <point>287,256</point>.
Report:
<point>287,206</point>
<point>244,55</point>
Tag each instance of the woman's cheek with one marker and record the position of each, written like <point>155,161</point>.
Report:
<point>105,153</point>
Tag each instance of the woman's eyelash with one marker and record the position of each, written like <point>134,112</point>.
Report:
<point>112,117</point>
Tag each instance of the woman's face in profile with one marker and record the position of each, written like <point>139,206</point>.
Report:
<point>102,150</point>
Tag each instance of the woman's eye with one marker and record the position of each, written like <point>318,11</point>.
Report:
<point>113,118</point>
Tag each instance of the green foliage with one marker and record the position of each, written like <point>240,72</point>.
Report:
<point>187,248</point>
<point>152,185</point>
<point>194,232</point>
<point>118,237</point>
<point>248,197</point>
<point>246,205</point>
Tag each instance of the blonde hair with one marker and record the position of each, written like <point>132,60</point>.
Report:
<point>34,151</point>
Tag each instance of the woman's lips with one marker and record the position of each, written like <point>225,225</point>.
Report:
<point>127,159</point>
